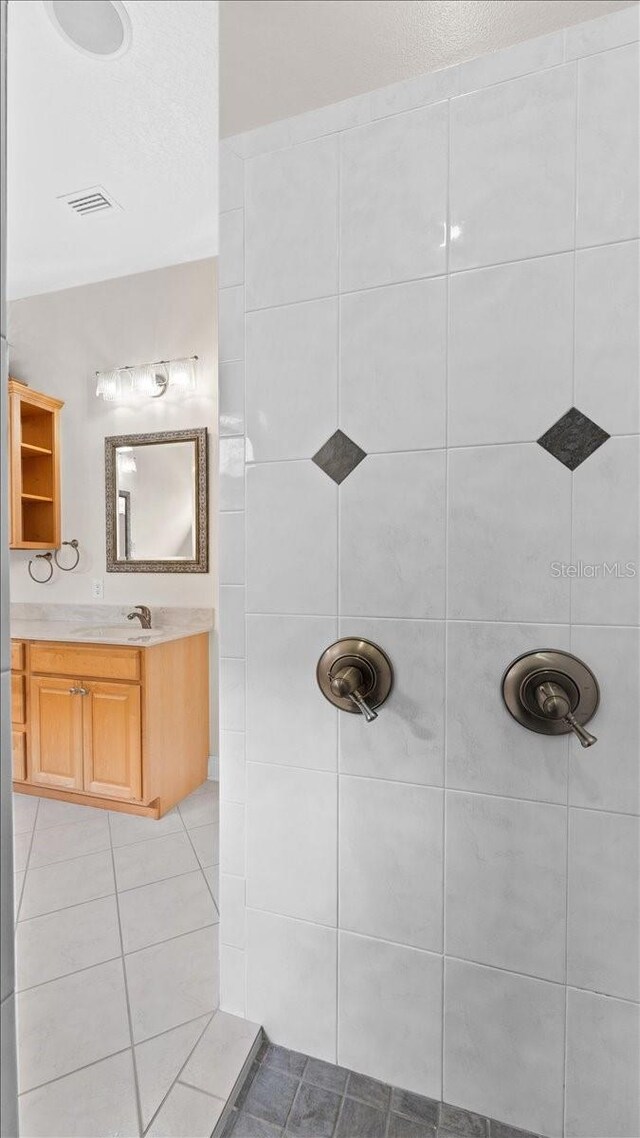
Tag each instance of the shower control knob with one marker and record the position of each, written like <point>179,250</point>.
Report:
<point>552,692</point>
<point>554,702</point>
<point>355,675</point>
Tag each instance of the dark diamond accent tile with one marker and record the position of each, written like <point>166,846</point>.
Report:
<point>401,1127</point>
<point>246,1126</point>
<point>369,1090</point>
<point>293,1062</point>
<point>501,1130</point>
<point>339,456</point>
<point>573,438</point>
<point>415,1106</point>
<point>314,1113</point>
<point>326,1075</point>
<point>359,1120</point>
<point>460,1122</point>
<point>270,1095</point>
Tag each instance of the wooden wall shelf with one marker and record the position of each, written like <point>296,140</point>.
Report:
<point>34,450</point>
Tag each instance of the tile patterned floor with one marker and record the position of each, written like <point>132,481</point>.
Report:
<point>289,1094</point>
<point>117,971</point>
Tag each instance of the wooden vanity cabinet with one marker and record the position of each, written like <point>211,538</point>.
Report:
<point>118,727</point>
<point>18,710</point>
<point>34,468</point>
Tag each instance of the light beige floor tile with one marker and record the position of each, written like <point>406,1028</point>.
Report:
<point>173,983</point>
<point>160,1060</point>
<point>59,943</point>
<point>186,1111</point>
<point>64,883</point>
<point>96,1102</point>
<point>154,860</point>
<point>221,1054</point>
<point>165,909</point>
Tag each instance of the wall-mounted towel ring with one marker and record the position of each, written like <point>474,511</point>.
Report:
<point>68,568</point>
<point>41,557</point>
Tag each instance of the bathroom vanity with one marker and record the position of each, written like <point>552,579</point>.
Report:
<point>109,718</point>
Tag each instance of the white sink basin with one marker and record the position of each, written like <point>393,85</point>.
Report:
<point>113,632</point>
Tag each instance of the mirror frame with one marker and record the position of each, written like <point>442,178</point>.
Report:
<point>200,563</point>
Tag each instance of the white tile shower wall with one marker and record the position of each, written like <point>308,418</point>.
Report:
<point>441,269</point>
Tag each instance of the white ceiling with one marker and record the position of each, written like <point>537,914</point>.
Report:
<point>282,57</point>
<point>143,126</point>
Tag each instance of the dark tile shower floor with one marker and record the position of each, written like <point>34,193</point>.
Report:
<point>290,1095</point>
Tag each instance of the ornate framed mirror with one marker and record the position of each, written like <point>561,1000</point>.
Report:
<point>156,502</point>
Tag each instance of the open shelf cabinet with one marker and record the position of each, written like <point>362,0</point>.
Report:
<point>34,449</point>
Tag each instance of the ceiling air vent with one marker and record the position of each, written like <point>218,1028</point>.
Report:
<point>85,203</point>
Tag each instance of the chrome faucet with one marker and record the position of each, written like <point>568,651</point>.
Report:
<point>143,615</point>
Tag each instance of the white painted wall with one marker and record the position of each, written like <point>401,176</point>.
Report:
<point>440,899</point>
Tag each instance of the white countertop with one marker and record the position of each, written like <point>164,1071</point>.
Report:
<point>130,634</point>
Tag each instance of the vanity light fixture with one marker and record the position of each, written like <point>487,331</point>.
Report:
<point>151,381</point>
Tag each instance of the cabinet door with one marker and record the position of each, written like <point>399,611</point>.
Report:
<point>19,755</point>
<point>112,739</point>
<point>56,732</point>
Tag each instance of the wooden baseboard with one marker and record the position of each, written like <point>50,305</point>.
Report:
<point>150,811</point>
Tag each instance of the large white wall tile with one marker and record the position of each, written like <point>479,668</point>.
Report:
<point>291,983</point>
<point>606,532</point>
<point>607,336</point>
<point>504,1046</point>
<point>505,883</point>
<point>408,741</point>
<point>504,141</point>
<point>231,551</point>
<point>606,32</point>
<point>232,910</point>
<point>608,775</point>
<point>233,838</point>
<point>487,750</point>
<point>232,766</point>
<point>231,175</point>
<point>232,695</point>
<point>509,519</point>
<point>232,605</point>
<point>512,62</point>
<point>603,1067</point>
<point>292,832</point>
<point>291,538</point>
<point>608,207</point>
<point>393,199</point>
<point>393,348</point>
<point>233,980</point>
<point>604,903</point>
<point>392,536</point>
<point>292,379</point>
<point>231,478</point>
<point>389,1018</point>
<point>510,350</point>
<point>231,323</point>
<point>231,398</point>
<point>391,861</point>
<point>289,722</point>
<point>291,219</point>
<point>231,252</point>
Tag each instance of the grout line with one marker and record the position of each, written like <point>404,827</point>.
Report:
<point>66,975</point>
<point>144,1130</point>
<point>126,990</point>
<point>76,1070</point>
<point>455,96</point>
<point>452,956</point>
<point>447,494</point>
<point>453,790</point>
<point>564,624</point>
<point>27,863</point>
<point>564,251</point>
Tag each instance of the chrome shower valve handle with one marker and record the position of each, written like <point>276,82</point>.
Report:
<point>553,693</point>
<point>356,676</point>
<point>555,703</point>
